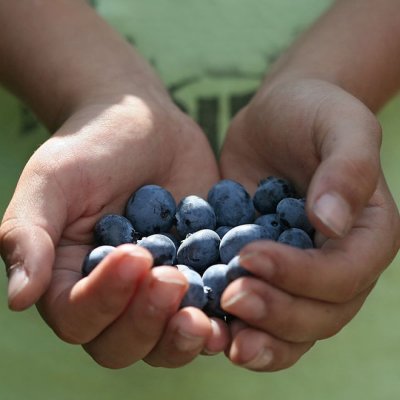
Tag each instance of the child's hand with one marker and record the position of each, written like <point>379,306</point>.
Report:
<point>325,141</point>
<point>116,129</point>
<point>125,311</point>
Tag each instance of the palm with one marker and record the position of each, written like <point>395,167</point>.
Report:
<point>94,171</point>
<point>290,132</point>
<point>98,172</point>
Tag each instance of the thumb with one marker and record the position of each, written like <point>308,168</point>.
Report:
<point>347,176</point>
<point>27,236</point>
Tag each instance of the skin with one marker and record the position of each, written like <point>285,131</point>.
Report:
<point>115,129</point>
<point>312,122</point>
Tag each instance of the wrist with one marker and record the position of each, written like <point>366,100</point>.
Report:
<point>350,49</point>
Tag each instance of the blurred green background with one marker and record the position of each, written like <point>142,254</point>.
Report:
<point>361,362</point>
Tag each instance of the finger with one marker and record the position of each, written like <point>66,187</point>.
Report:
<point>289,318</point>
<point>77,308</point>
<point>348,173</point>
<point>138,329</point>
<point>259,351</point>
<point>28,253</point>
<point>219,339</point>
<point>336,272</point>
<point>30,227</point>
<point>184,338</point>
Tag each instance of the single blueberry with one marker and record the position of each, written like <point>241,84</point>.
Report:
<point>231,203</point>
<point>113,230</point>
<point>297,238</point>
<point>235,270</point>
<point>193,214</point>
<point>292,214</point>
<point>272,223</point>
<point>223,230</point>
<point>151,209</point>
<point>196,295</point>
<point>270,192</point>
<point>161,247</point>
<point>94,257</point>
<point>177,241</point>
<point>199,250</point>
<point>215,281</point>
<point>238,237</point>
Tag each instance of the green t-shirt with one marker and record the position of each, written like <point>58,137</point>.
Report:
<point>211,54</point>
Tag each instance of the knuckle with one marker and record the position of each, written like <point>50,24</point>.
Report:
<point>287,356</point>
<point>349,290</point>
<point>69,334</point>
<point>333,327</point>
<point>284,327</point>
<point>284,322</point>
<point>110,306</point>
<point>103,361</point>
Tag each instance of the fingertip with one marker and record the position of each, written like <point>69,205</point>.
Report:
<point>29,254</point>
<point>332,215</point>
<point>219,338</point>
<point>131,254</point>
<point>18,281</point>
<point>192,329</point>
<point>124,267</point>
<point>138,252</point>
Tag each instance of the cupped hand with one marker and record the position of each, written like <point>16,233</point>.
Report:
<point>327,143</point>
<point>125,310</point>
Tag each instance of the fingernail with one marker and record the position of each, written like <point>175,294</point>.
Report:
<point>334,212</point>
<point>245,304</point>
<point>136,252</point>
<point>207,352</point>
<point>262,360</point>
<point>17,280</point>
<point>129,268</point>
<point>187,342</point>
<point>256,261</point>
<point>165,292</point>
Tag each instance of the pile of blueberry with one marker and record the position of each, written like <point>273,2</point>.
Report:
<point>203,238</point>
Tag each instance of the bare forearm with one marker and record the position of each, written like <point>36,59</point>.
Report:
<point>58,53</point>
<point>355,45</point>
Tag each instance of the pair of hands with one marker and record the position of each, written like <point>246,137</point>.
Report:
<point>308,131</point>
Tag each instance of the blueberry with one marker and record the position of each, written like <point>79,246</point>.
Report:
<point>297,238</point>
<point>94,257</point>
<point>193,214</point>
<point>151,209</point>
<point>161,248</point>
<point>113,230</point>
<point>238,237</point>
<point>272,223</point>
<point>223,230</point>
<point>232,204</point>
<point>199,250</point>
<point>270,192</point>
<point>292,214</point>
<point>196,295</point>
<point>215,281</point>
<point>175,240</point>
<point>171,236</point>
<point>235,270</point>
